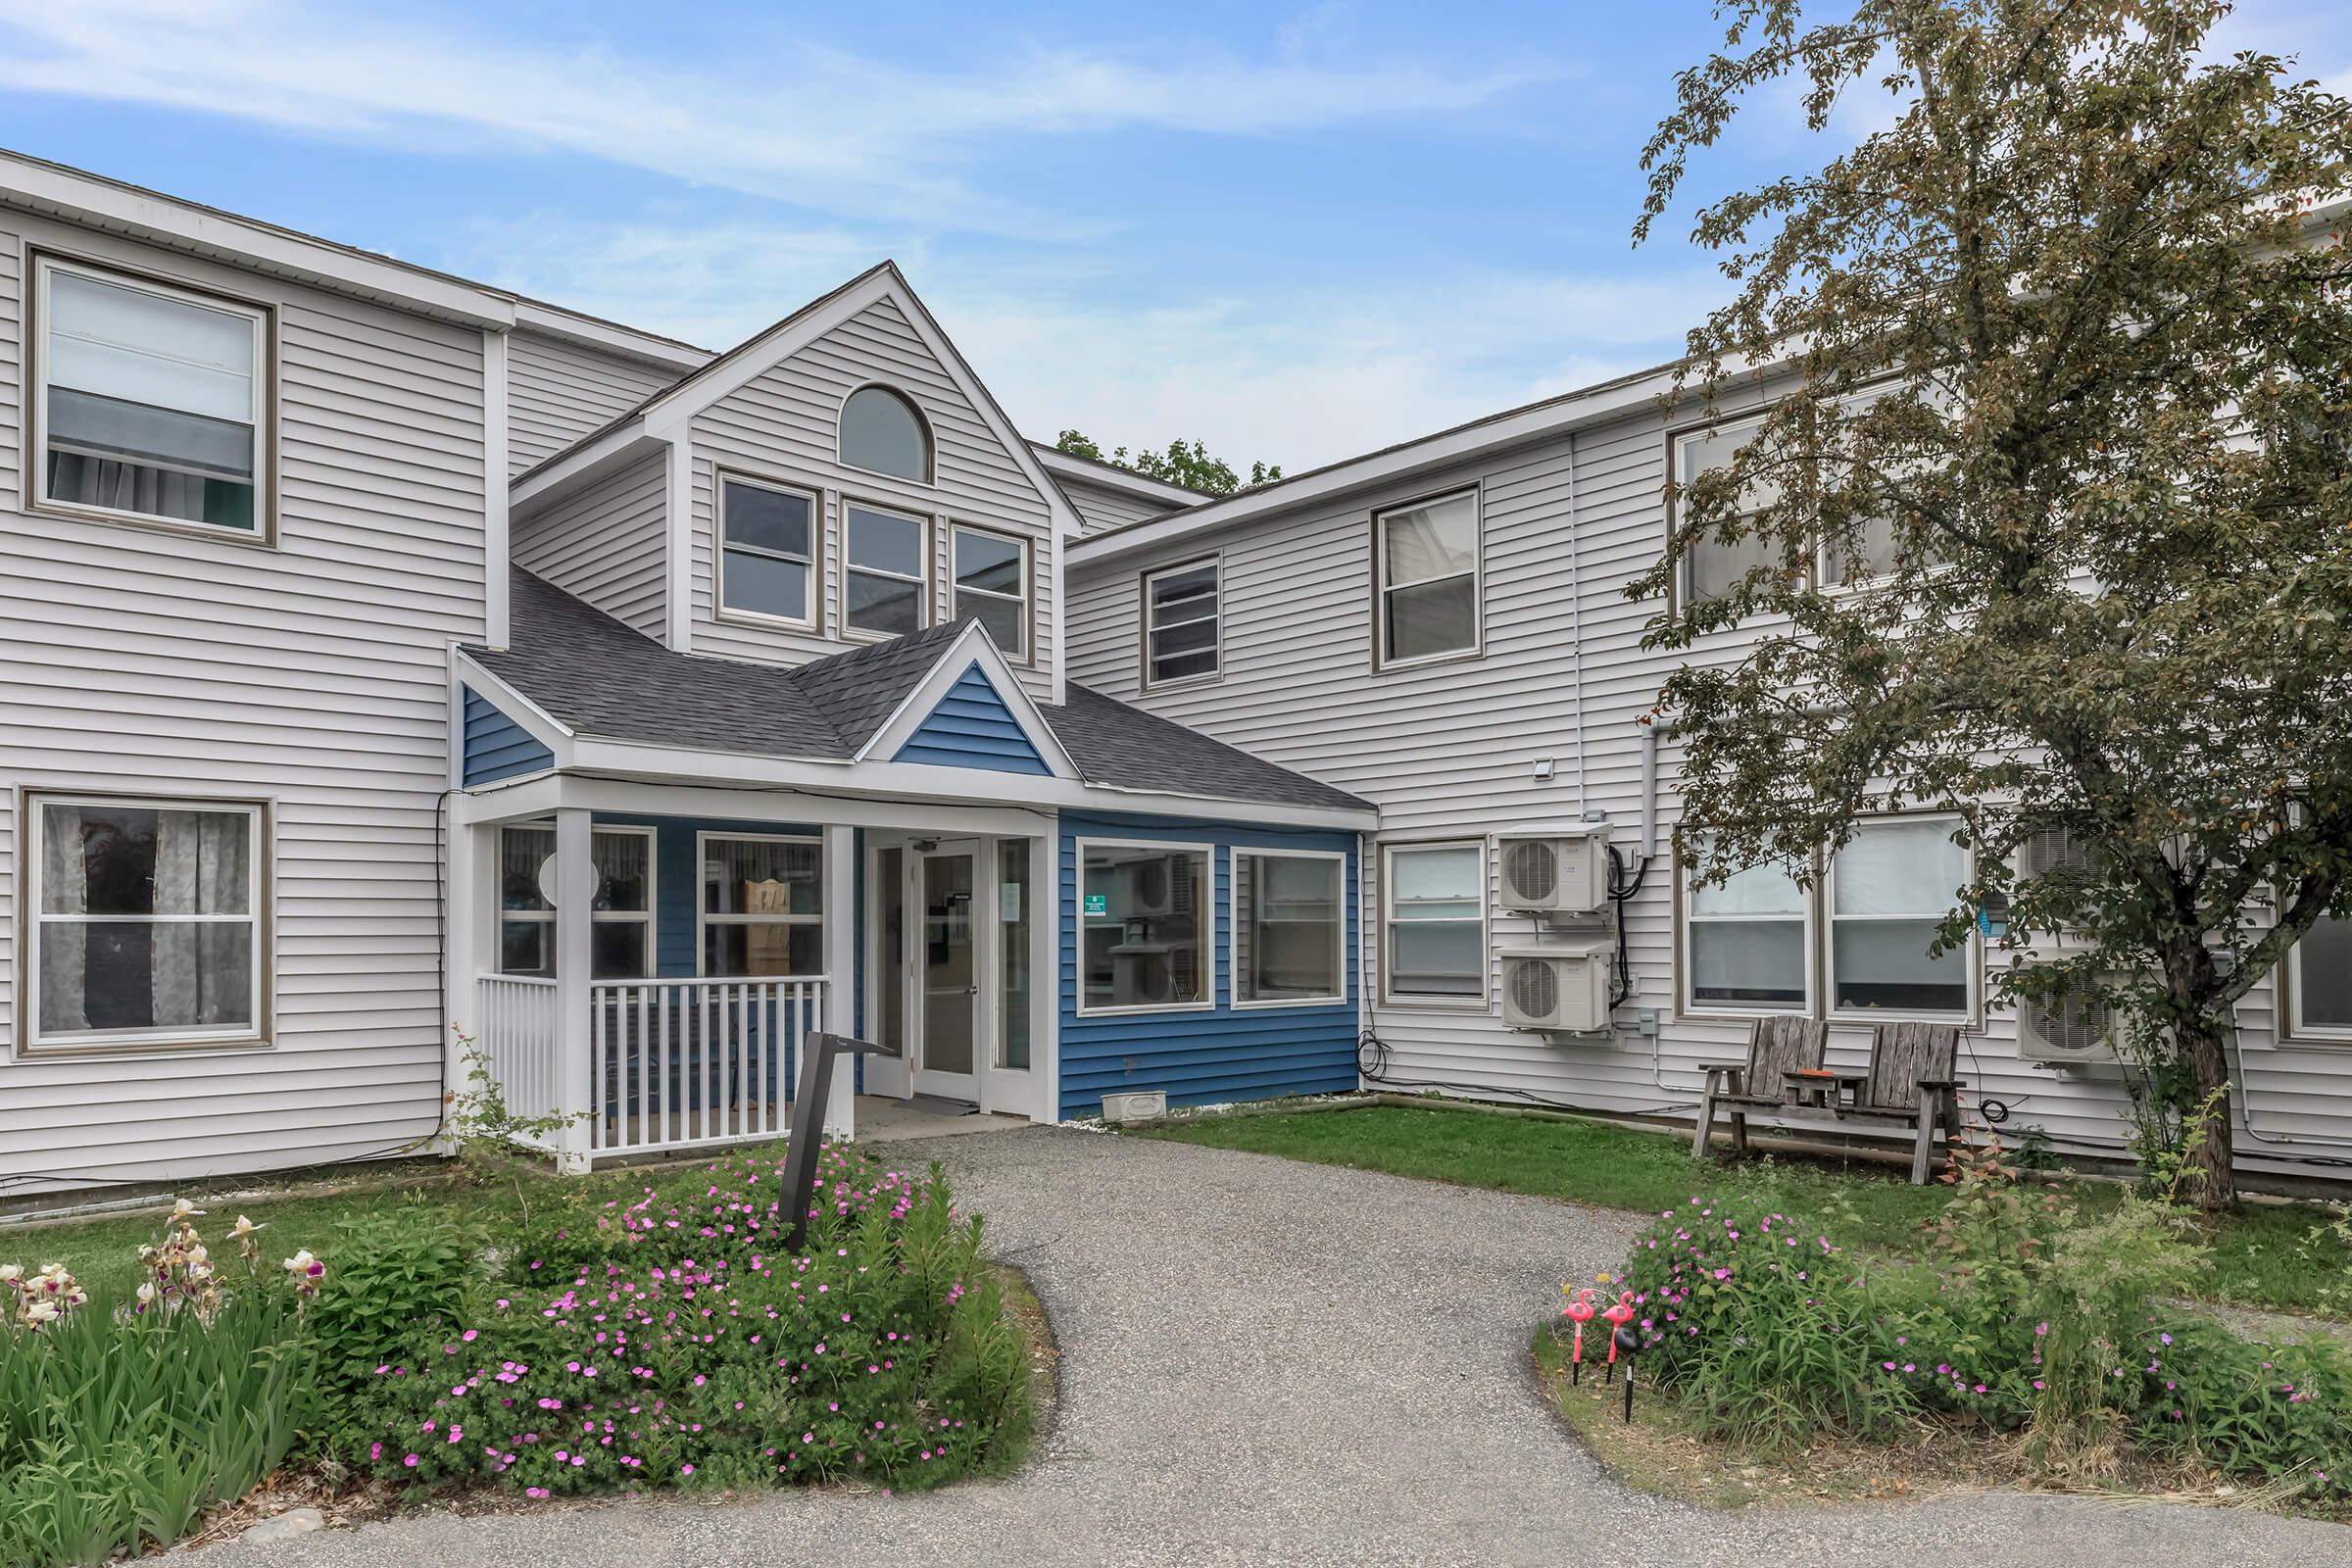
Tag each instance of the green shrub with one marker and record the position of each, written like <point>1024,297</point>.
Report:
<point>399,1273</point>
<point>2031,1318</point>
<point>670,1341</point>
<point>117,1429</point>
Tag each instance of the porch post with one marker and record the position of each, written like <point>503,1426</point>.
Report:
<point>462,983</point>
<point>840,971</point>
<point>575,874</point>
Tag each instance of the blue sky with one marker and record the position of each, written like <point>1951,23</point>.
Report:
<point>1297,231</point>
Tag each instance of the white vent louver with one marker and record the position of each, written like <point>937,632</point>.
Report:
<point>1562,990</point>
<point>2066,1030</point>
<point>1563,871</point>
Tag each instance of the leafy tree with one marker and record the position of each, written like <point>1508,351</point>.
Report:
<point>2069,358</point>
<point>1184,463</point>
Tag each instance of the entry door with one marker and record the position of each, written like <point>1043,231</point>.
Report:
<point>948,972</point>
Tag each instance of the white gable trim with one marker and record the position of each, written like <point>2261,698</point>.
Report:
<point>972,648</point>
<point>544,728</point>
<point>1110,476</point>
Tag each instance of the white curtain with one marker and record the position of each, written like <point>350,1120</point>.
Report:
<point>200,973</point>
<point>66,944</point>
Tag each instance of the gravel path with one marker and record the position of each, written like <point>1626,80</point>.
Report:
<point>1264,1361</point>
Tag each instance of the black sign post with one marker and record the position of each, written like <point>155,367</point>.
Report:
<point>808,1123</point>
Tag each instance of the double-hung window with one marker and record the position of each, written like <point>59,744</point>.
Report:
<point>992,584</point>
<point>1889,891</point>
<point>1747,949</point>
<point>767,561</point>
<point>885,577</point>
<point>1289,927</point>
<point>1143,927</point>
<point>147,921</point>
<point>2319,981</point>
<point>1433,903</point>
<point>152,400</point>
<point>1181,640</point>
<point>1426,557</point>
<point>620,902</point>
<point>1711,567</point>
<point>762,905</point>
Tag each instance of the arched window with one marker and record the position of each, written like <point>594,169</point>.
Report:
<point>883,433</point>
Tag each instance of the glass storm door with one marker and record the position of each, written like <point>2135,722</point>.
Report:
<point>950,975</point>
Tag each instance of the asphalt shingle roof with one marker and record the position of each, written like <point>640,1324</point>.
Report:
<point>602,678</point>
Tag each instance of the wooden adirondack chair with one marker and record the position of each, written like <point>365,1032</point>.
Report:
<point>1911,1081</point>
<point>1778,1046</point>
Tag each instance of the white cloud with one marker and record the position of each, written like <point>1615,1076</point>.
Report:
<point>817,143</point>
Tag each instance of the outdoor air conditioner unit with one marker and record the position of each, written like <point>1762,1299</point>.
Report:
<point>1562,990</point>
<point>1554,870</point>
<point>2065,1032</point>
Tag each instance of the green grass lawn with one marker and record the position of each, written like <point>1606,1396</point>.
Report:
<point>103,1254</point>
<point>2262,1257</point>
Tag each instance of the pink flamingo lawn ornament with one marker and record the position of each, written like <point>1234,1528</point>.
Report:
<point>1619,1316</point>
<point>1580,1311</point>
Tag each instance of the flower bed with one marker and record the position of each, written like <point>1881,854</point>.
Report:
<point>673,1340</point>
<point>2032,1320</point>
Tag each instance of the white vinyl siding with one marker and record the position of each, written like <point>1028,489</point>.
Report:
<point>780,427</point>
<point>313,677</point>
<point>608,544</point>
<point>1100,506</point>
<point>1447,750</point>
<point>558,391</point>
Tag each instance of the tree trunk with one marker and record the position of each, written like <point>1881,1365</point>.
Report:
<point>2211,1177</point>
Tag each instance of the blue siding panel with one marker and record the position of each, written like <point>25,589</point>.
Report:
<point>496,747</point>
<point>1211,1056</point>
<point>972,727</point>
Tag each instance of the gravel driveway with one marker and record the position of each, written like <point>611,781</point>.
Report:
<point>1264,1361</point>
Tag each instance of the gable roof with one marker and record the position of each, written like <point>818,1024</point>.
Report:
<point>597,677</point>
<point>661,415</point>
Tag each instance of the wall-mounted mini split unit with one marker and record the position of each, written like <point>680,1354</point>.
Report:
<point>2066,1031</point>
<point>1563,989</point>
<point>1562,871</point>
<point>1142,1104</point>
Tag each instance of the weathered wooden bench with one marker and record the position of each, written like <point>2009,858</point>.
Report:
<point>1910,1083</point>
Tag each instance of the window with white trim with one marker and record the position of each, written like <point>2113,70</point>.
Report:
<point>152,400</point>
<point>992,583</point>
<point>148,921</point>
<point>767,556</point>
<point>1426,560</point>
<point>1181,622</point>
<point>1747,943</point>
<point>2319,981</point>
<point>1711,567</point>
<point>1889,891</point>
<point>1143,927</point>
<point>1288,926</point>
<point>620,904</point>
<point>885,577</point>
<point>762,907</point>
<point>1434,917</point>
<point>882,432</point>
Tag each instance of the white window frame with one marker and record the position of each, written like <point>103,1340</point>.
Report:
<point>1026,598</point>
<point>1383,589</point>
<point>1339,938</point>
<point>1676,442</point>
<point>704,918</point>
<point>922,582</point>
<point>1206,913</point>
<point>922,419</point>
<point>2332,1034</point>
<point>1686,1000</point>
<point>501,916</point>
<point>1217,617</point>
<point>1390,997</point>
<point>813,565</point>
<point>260,913</point>
<point>265,383</point>
<point>1827,920</point>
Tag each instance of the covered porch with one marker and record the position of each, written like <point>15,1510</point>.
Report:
<point>647,960</point>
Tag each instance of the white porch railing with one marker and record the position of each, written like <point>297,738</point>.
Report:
<point>677,1063</point>
<point>671,1063</point>
<point>519,1032</point>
